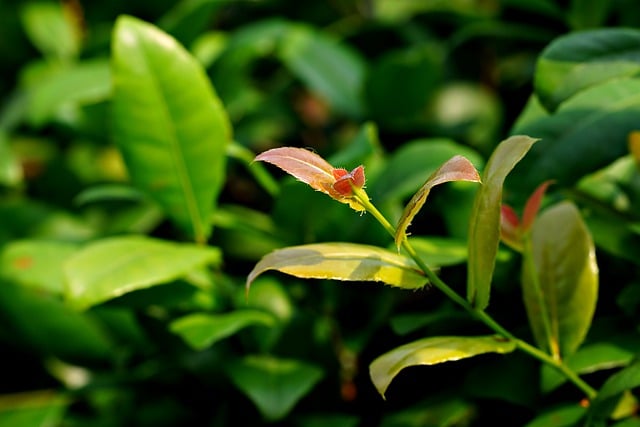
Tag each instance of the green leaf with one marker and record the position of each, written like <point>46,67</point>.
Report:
<point>327,66</point>
<point>431,351</point>
<point>402,83</point>
<point>114,266</point>
<point>274,385</point>
<point>576,131</point>
<point>32,409</point>
<point>188,19</point>
<point>560,294</point>
<point>562,416</point>
<point>36,263</point>
<point>614,353</point>
<point>53,30</point>
<point>10,169</point>
<point>342,261</point>
<point>201,330</point>
<point>49,327</point>
<point>169,123</point>
<point>61,93</point>
<point>457,168</point>
<point>612,391</point>
<point>583,59</point>
<point>484,228</point>
<point>406,169</point>
<point>440,251</point>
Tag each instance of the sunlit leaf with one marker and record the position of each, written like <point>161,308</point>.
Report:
<point>274,385</point>
<point>173,136</point>
<point>342,261</point>
<point>457,168</point>
<point>576,61</point>
<point>484,228</point>
<point>431,351</point>
<point>114,266</point>
<point>566,275</point>
<point>201,330</point>
<point>36,263</point>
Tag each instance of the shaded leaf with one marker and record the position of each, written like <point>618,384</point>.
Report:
<point>201,330</point>
<point>274,385</point>
<point>562,416</point>
<point>457,168</point>
<point>114,266</point>
<point>567,276</point>
<point>612,391</point>
<point>440,251</point>
<point>484,227</point>
<point>431,351</point>
<point>172,136</point>
<point>10,168</point>
<point>342,261</point>
<point>576,61</point>
<point>328,67</point>
<point>533,205</point>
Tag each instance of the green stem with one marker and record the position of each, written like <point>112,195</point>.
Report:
<point>362,198</point>
<point>246,156</point>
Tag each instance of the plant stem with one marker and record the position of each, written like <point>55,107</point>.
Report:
<point>362,198</point>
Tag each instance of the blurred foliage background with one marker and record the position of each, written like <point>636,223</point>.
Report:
<point>397,85</point>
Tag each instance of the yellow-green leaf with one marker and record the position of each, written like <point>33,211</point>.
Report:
<point>457,168</point>
<point>566,275</point>
<point>431,351</point>
<point>342,261</point>
<point>484,227</point>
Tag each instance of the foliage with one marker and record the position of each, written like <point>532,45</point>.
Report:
<point>152,262</point>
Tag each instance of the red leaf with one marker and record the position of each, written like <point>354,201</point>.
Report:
<point>533,205</point>
<point>345,180</point>
<point>510,230</point>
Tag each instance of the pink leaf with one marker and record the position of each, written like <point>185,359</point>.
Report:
<point>345,180</point>
<point>510,230</point>
<point>302,164</point>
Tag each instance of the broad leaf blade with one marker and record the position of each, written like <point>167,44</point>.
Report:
<point>112,267</point>
<point>342,261</point>
<point>173,136</point>
<point>328,67</point>
<point>579,60</point>
<point>457,168</point>
<point>274,385</point>
<point>201,330</point>
<point>484,229</point>
<point>431,351</point>
<point>591,129</point>
<point>567,273</point>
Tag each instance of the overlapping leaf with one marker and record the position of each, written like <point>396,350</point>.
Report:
<point>431,351</point>
<point>457,168</point>
<point>342,261</point>
<point>564,285</point>
<point>484,229</point>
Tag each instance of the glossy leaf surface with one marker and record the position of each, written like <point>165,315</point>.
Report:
<point>173,136</point>
<point>274,385</point>
<point>201,330</point>
<point>457,168</point>
<point>567,276</point>
<point>576,61</point>
<point>586,133</point>
<point>431,351</point>
<point>484,228</point>
<point>342,261</point>
<point>114,266</point>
